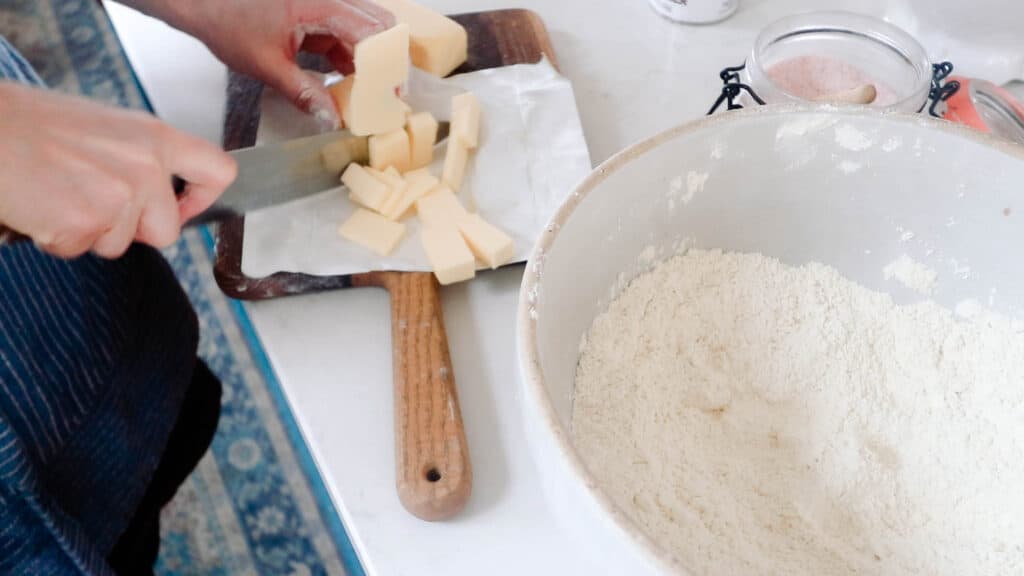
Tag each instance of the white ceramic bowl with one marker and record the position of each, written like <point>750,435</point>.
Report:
<point>851,188</point>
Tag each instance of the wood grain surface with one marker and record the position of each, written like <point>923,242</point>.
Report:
<point>432,465</point>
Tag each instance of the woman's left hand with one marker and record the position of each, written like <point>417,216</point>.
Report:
<point>261,38</point>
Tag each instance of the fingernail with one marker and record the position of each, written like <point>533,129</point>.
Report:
<point>327,119</point>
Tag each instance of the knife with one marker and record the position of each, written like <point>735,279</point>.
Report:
<point>275,173</point>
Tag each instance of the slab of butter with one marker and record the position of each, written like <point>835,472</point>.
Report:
<point>490,245</point>
<point>372,231</point>
<point>449,256</point>
<point>437,44</point>
<point>364,188</point>
<point>367,98</point>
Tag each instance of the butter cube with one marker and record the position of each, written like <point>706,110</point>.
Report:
<point>437,43</point>
<point>372,231</point>
<point>490,245</point>
<point>440,208</point>
<point>419,184</point>
<point>422,130</point>
<point>466,119</point>
<point>381,65</point>
<point>365,188</point>
<point>390,149</point>
<point>455,160</point>
<point>449,256</point>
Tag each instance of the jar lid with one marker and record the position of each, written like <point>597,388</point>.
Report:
<point>986,107</point>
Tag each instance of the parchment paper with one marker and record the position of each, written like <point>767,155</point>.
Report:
<point>531,154</point>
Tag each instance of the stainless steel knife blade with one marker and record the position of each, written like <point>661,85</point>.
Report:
<point>280,172</point>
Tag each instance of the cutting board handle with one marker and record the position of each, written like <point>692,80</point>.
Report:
<point>433,472</point>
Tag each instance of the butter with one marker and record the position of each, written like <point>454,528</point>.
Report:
<point>455,159</point>
<point>437,44</point>
<point>341,92</point>
<point>371,105</point>
<point>422,132</point>
<point>372,231</point>
<point>466,119</point>
<point>440,208</point>
<point>396,184</point>
<point>490,245</point>
<point>390,149</point>
<point>419,183</point>
<point>365,188</point>
<point>448,254</point>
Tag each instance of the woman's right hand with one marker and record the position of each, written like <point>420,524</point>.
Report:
<point>79,176</point>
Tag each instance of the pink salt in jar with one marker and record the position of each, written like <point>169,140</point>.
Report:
<point>839,57</point>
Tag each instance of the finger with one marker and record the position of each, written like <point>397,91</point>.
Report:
<point>196,161</point>
<point>159,221</point>
<point>115,242</point>
<point>341,59</point>
<point>307,93</point>
<point>318,43</point>
<point>347,20</point>
<point>73,235</point>
<point>339,55</point>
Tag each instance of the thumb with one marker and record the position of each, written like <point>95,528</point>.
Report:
<point>305,90</point>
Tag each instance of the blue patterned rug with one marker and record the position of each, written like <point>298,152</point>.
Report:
<point>256,504</point>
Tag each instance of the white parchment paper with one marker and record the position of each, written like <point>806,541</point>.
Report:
<point>531,154</point>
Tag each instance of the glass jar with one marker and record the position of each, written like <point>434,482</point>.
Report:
<point>839,57</point>
<point>695,11</point>
<point>984,106</point>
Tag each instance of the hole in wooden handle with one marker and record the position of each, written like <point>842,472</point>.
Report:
<point>432,474</point>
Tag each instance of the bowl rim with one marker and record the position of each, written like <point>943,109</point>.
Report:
<point>531,374</point>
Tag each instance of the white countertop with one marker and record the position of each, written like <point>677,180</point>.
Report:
<point>635,74</point>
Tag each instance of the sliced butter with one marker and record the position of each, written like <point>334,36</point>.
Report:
<point>372,231</point>
<point>365,188</point>
<point>466,119</point>
<point>448,254</point>
<point>422,132</point>
<point>455,159</point>
<point>440,208</point>
<point>490,245</point>
<point>419,183</point>
<point>390,149</point>
<point>437,43</point>
<point>396,184</point>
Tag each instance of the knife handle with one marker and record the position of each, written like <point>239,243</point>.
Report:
<point>9,236</point>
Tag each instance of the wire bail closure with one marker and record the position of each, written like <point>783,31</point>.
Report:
<point>733,87</point>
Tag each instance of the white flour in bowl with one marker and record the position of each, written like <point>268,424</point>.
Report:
<point>756,418</point>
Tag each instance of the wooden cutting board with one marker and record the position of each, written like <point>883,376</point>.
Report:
<point>433,470</point>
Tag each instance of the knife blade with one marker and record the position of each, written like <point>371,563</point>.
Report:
<point>279,172</point>
<point>275,173</point>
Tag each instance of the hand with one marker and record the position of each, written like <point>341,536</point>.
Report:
<point>261,38</point>
<point>79,176</point>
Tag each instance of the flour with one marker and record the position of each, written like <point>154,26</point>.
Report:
<point>756,418</point>
<point>852,139</point>
<point>912,274</point>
